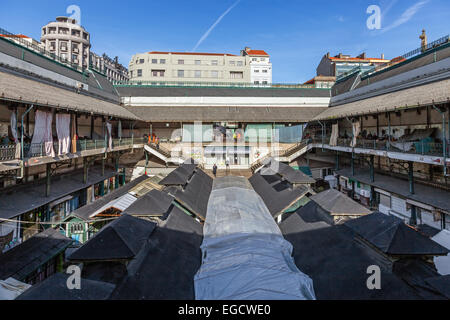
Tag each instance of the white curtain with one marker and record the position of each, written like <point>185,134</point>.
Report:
<point>356,131</point>
<point>109,128</point>
<point>43,131</point>
<point>14,133</point>
<point>334,135</point>
<point>63,131</point>
<point>119,130</point>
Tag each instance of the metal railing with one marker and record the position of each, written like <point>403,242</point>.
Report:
<point>35,150</point>
<point>146,83</point>
<point>420,147</point>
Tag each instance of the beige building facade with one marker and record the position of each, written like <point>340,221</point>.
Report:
<point>190,67</point>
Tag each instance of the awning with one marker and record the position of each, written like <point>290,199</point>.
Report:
<point>121,204</point>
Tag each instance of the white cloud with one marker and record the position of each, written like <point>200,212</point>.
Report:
<point>406,16</point>
<point>203,38</point>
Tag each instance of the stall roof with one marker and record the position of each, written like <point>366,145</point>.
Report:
<point>195,194</point>
<point>272,166</point>
<point>165,268</point>
<point>86,211</point>
<point>121,203</point>
<point>179,176</point>
<point>337,203</point>
<point>442,263</point>
<point>428,94</point>
<point>25,90</point>
<point>392,236</point>
<point>120,239</point>
<point>278,195</point>
<point>55,288</point>
<point>22,260</point>
<point>328,254</point>
<point>154,203</point>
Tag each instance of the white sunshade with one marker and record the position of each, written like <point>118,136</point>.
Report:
<point>120,203</point>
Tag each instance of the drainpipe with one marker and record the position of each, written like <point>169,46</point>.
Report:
<point>444,142</point>
<point>389,131</point>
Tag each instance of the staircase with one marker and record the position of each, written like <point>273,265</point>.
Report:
<point>162,153</point>
<point>287,153</point>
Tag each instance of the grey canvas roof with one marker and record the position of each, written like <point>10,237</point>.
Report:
<point>337,203</point>
<point>155,91</point>
<point>195,194</point>
<point>215,114</point>
<point>14,87</point>
<point>179,176</point>
<point>120,239</point>
<point>392,236</point>
<point>278,195</point>
<point>154,203</point>
<point>22,260</point>
<point>165,268</point>
<point>21,199</point>
<point>86,211</point>
<point>55,288</point>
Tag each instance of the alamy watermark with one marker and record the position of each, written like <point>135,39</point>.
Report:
<point>75,13</point>
<point>374,20</point>
<point>374,280</point>
<point>74,280</point>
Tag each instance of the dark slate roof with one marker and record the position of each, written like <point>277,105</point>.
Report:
<point>335,262</point>
<point>120,239</point>
<point>55,288</point>
<point>142,91</point>
<point>440,284</point>
<point>179,176</point>
<point>195,194</point>
<point>223,113</point>
<point>87,210</point>
<point>272,166</point>
<point>390,235</point>
<point>166,267</point>
<point>154,203</point>
<point>22,260</point>
<point>337,203</point>
<point>21,199</point>
<point>277,194</point>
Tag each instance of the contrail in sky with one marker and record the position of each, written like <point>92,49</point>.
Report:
<point>214,25</point>
<point>406,16</point>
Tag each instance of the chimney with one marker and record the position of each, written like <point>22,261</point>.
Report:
<point>382,56</point>
<point>328,55</point>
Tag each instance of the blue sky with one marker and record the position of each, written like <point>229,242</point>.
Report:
<point>296,33</point>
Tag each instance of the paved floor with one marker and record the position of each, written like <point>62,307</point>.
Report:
<point>247,173</point>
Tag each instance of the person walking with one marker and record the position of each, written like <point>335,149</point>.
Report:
<point>215,170</point>
<point>227,163</point>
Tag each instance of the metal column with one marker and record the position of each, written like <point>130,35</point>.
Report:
<point>48,179</point>
<point>337,160</point>
<point>372,176</point>
<point>411,176</point>
<point>413,219</point>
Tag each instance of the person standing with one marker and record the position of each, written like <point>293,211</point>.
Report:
<point>227,163</point>
<point>215,170</point>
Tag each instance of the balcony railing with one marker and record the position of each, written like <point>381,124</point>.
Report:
<point>35,150</point>
<point>422,148</point>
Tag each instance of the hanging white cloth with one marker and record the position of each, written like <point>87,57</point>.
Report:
<point>109,129</point>
<point>119,130</point>
<point>63,132</point>
<point>14,134</point>
<point>334,135</point>
<point>356,127</point>
<point>43,133</point>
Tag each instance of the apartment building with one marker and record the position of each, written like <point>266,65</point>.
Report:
<point>114,71</point>
<point>67,39</point>
<point>201,67</point>
<point>342,63</point>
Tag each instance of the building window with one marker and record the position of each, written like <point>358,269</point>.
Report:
<point>231,63</point>
<point>264,70</point>
<point>154,61</point>
<point>256,71</point>
<point>256,82</point>
<point>180,73</point>
<point>141,61</point>
<point>214,62</point>
<point>198,62</point>
<point>158,73</point>
<point>139,72</point>
<point>162,61</point>
<point>254,59</point>
<point>131,74</point>
<point>236,75</point>
<point>180,61</point>
<point>264,82</point>
<point>214,74</point>
<point>198,74</point>
<point>239,63</point>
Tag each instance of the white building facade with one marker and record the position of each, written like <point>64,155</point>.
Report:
<point>260,66</point>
